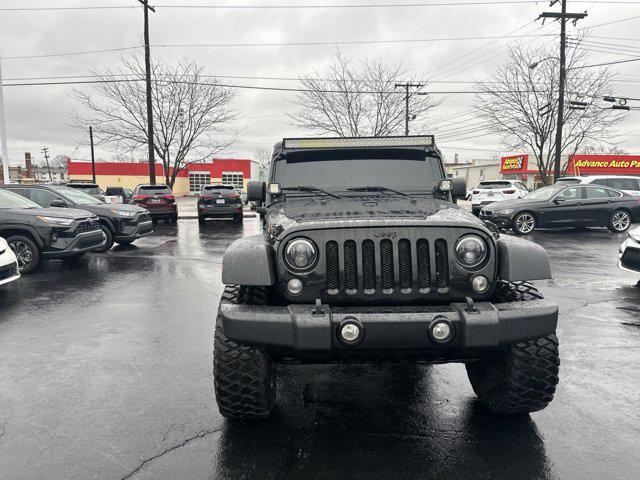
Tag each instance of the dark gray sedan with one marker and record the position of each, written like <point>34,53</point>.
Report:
<point>562,206</point>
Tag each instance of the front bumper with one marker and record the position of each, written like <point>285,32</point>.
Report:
<point>68,247</point>
<point>133,232</point>
<point>8,269</point>
<point>629,256</point>
<point>307,328</point>
<point>501,221</point>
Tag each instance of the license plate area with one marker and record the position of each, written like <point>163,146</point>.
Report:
<point>220,200</point>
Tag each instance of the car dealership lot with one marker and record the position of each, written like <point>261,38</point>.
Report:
<point>106,373</point>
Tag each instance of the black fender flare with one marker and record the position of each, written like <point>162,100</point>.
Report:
<point>108,223</point>
<point>249,261</point>
<point>23,227</point>
<point>520,260</point>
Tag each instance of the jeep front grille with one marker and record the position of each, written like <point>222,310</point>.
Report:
<point>386,254</point>
<point>631,259</point>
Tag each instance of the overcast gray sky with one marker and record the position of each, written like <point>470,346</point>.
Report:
<point>39,115</point>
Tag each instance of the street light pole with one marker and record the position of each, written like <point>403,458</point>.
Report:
<point>406,87</point>
<point>93,158</point>
<point>147,66</point>
<point>3,134</point>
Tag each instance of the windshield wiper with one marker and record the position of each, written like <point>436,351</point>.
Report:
<point>311,189</point>
<point>369,188</point>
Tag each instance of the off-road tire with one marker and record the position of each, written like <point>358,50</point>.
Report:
<point>244,376</point>
<point>110,240</point>
<point>522,378</point>
<point>618,225</point>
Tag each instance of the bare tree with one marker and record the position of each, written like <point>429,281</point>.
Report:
<point>188,112</point>
<point>350,102</point>
<point>521,104</point>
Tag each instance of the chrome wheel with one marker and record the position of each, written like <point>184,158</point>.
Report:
<point>621,221</point>
<point>525,223</point>
<point>23,254</point>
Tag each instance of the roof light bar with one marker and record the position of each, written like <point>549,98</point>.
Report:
<point>359,142</point>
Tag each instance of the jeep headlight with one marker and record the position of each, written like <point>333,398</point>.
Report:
<point>300,254</point>
<point>471,251</point>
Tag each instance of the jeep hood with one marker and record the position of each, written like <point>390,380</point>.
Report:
<point>365,211</point>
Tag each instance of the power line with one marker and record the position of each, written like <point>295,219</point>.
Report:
<point>68,54</point>
<point>312,6</point>
<point>608,63</point>
<point>609,23</point>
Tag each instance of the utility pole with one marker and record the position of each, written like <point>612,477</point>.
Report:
<point>93,158</point>
<point>562,17</point>
<point>45,152</point>
<point>147,65</point>
<point>407,86</point>
<point>3,135</point>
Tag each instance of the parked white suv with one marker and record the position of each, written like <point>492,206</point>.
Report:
<point>490,191</point>
<point>624,183</point>
<point>8,264</point>
<point>629,253</point>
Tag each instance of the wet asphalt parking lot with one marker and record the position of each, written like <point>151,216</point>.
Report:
<point>105,371</point>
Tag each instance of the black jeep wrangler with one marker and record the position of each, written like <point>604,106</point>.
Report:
<point>365,257</point>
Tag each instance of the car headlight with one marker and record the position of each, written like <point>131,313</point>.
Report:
<point>471,251</point>
<point>505,212</point>
<point>123,213</point>
<point>635,236</point>
<point>61,222</point>
<point>300,254</point>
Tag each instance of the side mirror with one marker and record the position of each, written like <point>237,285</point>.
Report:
<point>59,204</point>
<point>559,200</point>
<point>256,191</point>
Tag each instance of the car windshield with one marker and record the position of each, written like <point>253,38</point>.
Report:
<point>497,184</point>
<point>544,193</point>
<point>13,200</point>
<point>219,189</point>
<point>568,181</point>
<point>89,189</point>
<point>76,195</point>
<point>338,171</point>
<point>154,190</point>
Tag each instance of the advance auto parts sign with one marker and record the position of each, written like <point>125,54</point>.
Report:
<point>595,164</point>
<point>514,164</point>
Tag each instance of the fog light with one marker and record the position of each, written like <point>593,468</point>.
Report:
<point>479,283</point>
<point>441,331</point>
<point>350,332</point>
<point>294,286</point>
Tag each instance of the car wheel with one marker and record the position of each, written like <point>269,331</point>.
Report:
<point>125,243</point>
<point>521,378</point>
<point>109,243</point>
<point>524,223</point>
<point>238,218</point>
<point>174,218</point>
<point>620,221</point>
<point>201,219</point>
<point>26,251</point>
<point>244,376</point>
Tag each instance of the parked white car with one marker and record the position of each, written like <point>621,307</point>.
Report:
<point>624,183</point>
<point>490,191</point>
<point>629,253</point>
<point>8,264</point>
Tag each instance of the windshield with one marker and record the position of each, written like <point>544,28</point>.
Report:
<point>219,188</point>
<point>543,194</point>
<point>90,189</point>
<point>76,195</point>
<point>337,173</point>
<point>494,184</point>
<point>13,200</point>
<point>154,190</point>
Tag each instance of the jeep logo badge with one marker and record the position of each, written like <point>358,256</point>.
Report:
<point>385,234</point>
